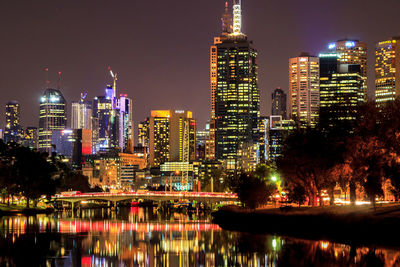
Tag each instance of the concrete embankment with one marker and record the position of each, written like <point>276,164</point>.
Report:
<point>355,225</point>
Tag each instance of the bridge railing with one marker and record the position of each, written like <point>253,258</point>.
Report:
<point>149,194</point>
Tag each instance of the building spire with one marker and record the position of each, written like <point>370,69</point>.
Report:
<point>226,20</point>
<point>237,17</point>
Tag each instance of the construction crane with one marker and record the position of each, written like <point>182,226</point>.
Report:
<point>114,76</point>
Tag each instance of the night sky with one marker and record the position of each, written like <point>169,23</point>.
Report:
<point>160,49</point>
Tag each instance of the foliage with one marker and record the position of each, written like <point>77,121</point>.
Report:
<point>297,194</point>
<point>252,191</point>
<point>32,174</point>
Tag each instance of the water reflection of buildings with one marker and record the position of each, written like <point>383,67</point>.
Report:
<point>145,239</point>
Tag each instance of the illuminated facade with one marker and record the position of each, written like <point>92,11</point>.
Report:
<point>304,89</point>
<point>278,129</point>
<point>81,114</point>
<point>52,117</point>
<point>173,173</point>
<point>353,52</point>
<point>172,136</point>
<point>387,70</point>
<point>278,103</point>
<point>31,138</point>
<point>126,127</point>
<point>236,92</point>
<point>13,131</point>
<point>226,30</point>
<point>341,91</point>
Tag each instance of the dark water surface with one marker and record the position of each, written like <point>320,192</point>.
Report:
<point>142,237</point>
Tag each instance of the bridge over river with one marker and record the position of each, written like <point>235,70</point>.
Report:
<point>156,196</point>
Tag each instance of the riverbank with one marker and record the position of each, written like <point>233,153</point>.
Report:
<point>16,209</point>
<point>349,225</point>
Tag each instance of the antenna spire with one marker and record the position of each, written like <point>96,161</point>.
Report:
<point>59,81</point>
<point>226,20</point>
<point>47,77</point>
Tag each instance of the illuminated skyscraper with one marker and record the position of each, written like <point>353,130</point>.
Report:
<point>226,30</point>
<point>81,114</point>
<point>101,122</point>
<point>387,70</point>
<point>353,52</point>
<point>341,91</point>
<point>125,119</point>
<point>13,130</point>
<point>53,116</point>
<point>172,136</point>
<point>234,85</point>
<point>143,133</point>
<point>278,106</point>
<point>304,89</point>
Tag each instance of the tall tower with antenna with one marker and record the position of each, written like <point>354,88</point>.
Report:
<point>235,96</point>
<point>237,17</point>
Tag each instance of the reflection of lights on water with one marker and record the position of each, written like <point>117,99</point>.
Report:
<point>324,244</point>
<point>274,244</point>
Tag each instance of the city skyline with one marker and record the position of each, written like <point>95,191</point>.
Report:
<point>83,45</point>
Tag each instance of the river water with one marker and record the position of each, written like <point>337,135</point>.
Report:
<point>142,237</point>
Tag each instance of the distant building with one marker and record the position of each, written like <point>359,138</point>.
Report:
<point>304,89</point>
<point>173,173</point>
<point>341,91</point>
<point>81,114</point>
<point>352,52</point>
<point>387,70</point>
<point>31,138</point>
<point>72,144</point>
<point>278,107</point>
<point>102,109</point>
<point>202,137</point>
<point>53,117</point>
<point>126,127</point>
<point>278,130</point>
<point>13,131</point>
<point>172,136</point>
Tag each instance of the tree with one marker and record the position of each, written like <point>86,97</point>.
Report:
<point>252,192</point>
<point>297,194</point>
<point>308,157</point>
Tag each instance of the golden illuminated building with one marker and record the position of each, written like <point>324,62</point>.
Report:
<point>172,136</point>
<point>304,89</point>
<point>387,70</point>
<point>13,131</point>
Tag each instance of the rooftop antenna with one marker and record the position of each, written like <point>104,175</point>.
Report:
<point>47,77</point>
<point>59,80</point>
<point>237,17</point>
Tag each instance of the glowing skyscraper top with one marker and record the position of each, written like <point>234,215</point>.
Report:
<point>237,17</point>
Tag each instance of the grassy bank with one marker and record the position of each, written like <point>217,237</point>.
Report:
<point>19,209</point>
<point>349,225</point>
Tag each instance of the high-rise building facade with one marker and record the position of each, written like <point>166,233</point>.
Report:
<point>278,103</point>
<point>172,136</point>
<point>13,131</point>
<point>102,109</point>
<point>126,127</point>
<point>353,52</point>
<point>236,93</point>
<point>387,70</point>
<point>52,117</point>
<point>304,89</point>
<point>226,30</point>
<point>341,91</point>
<point>81,114</point>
